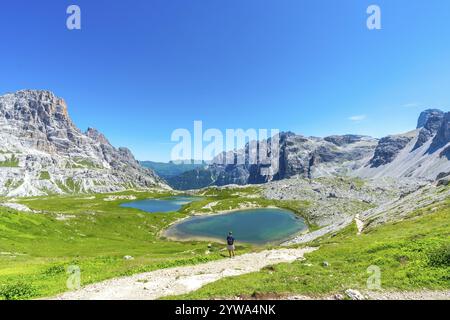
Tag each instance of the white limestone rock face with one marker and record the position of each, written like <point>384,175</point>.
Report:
<point>309,157</point>
<point>43,152</point>
<point>423,153</point>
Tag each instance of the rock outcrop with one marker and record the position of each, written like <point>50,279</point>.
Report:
<point>427,115</point>
<point>442,136</point>
<point>388,148</point>
<point>429,123</point>
<point>298,155</point>
<point>43,152</point>
<point>422,153</point>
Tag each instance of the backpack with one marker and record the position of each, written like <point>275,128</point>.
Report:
<point>230,240</point>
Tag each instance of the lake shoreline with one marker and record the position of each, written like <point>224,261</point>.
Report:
<point>163,205</point>
<point>171,233</point>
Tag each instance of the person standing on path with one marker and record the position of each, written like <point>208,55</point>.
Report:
<point>230,244</point>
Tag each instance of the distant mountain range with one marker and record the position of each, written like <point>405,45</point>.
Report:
<point>171,171</point>
<point>42,152</point>
<point>421,153</point>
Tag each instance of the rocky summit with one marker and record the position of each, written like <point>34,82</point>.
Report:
<point>423,153</point>
<point>43,152</point>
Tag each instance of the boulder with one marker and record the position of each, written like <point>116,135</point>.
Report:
<point>354,294</point>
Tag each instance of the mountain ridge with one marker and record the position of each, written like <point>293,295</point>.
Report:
<point>421,153</point>
<point>43,152</point>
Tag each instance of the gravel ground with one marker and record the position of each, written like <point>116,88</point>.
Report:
<point>181,280</point>
<point>383,295</point>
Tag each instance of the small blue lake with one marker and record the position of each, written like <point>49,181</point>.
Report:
<point>255,226</point>
<point>163,205</point>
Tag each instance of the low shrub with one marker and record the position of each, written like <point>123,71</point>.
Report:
<point>17,291</point>
<point>440,257</point>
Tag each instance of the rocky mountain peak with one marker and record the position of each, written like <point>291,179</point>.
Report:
<point>44,103</point>
<point>419,153</point>
<point>430,119</point>
<point>97,136</point>
<point>345,139</point>
<point>39,118</point>
<point>128,156</point>
<point>47,153</point>
<point>353,155</point>
<point>429,123</point>
<point>442,137</point>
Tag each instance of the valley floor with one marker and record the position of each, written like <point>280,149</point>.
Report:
<point>408,243</point>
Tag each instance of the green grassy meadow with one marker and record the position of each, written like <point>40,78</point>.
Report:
<point>36,249</point>
<point>412,255</point>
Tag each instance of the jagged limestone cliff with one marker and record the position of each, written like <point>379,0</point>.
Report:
<point>422,153</point>
<point>43,152</point>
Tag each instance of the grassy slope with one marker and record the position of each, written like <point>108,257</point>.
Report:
<point>10,162</point>
<point>101,233</point>
<point>96,236</point>
<point>412,255</point>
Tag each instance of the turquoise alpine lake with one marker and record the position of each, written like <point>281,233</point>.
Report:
<point>163,205</point>
<point>254,226</point>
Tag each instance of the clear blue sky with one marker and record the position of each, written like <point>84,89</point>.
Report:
<point>140,69</point>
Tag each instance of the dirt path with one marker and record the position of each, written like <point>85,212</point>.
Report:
<point>359,224</point>
<point>181,280</point>
<point>384,295</point>
<point>413,295</point>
